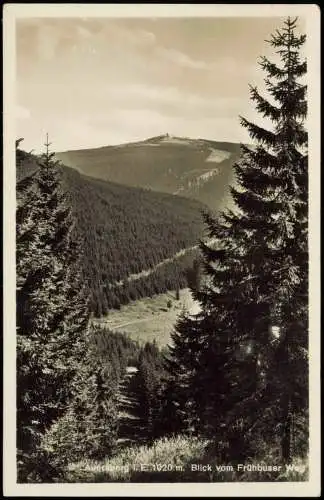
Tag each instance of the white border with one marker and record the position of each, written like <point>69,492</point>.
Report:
<point>299,489</point>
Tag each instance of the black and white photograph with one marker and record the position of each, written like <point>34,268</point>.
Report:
<point>161,181</point>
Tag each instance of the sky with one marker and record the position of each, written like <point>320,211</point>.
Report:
<point>92,82</point>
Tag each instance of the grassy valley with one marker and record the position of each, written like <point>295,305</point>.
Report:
<point>150,318</point>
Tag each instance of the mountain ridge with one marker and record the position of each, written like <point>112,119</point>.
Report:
<point>199,169</point>
<point>229,145</point>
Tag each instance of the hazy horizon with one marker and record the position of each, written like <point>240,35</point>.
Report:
<point>104,81</point>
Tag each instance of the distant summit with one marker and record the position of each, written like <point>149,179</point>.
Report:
<point>200,169</point>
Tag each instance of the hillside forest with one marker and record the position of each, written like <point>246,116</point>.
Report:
<point>124,231</point>
<point>231,387</point>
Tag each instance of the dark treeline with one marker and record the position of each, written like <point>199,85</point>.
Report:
<point>115,349</point>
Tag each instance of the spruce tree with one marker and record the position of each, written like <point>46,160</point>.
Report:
<point>52,312</point>
<point>148,386</point>
<point>275,174</point>
<point>183,364</point>
<point>253,331</point>
<point>88,428</point>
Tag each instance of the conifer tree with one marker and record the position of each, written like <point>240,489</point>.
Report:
<point>52,312</point>
<point>253,332</point>
<point>182,363</point>
<point>148,387</point>
<point>88,427</point>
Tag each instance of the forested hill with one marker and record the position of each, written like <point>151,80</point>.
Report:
<point>196,168</point>
<point>124,231</point>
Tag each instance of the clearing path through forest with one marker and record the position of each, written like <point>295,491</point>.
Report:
<point>150,319</point>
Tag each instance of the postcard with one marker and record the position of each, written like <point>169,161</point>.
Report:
<point>161,250</point>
